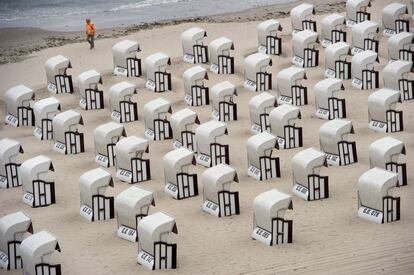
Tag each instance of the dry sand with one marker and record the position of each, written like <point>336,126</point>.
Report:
<point>328,238</point>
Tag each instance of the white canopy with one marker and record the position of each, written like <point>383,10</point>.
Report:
<point>288,77</point>
<point>282,116</point>
<point>258,146</point>
<point>128,148</point>
<point>268,205</point>
<point>305,163</point>
<point>9,150</point>
<point>191,37</point>
<point>331,22</point>
<point>94,182</point>
<point>123,50</point>
<point>299,13</point>
<point>394,71</point>
<point>16,97</point>
<point>155,228</point>
<point>380,102</point>
<point>121,91</point>
<point>131,202</point>
<point>88,80</point>
<point>107,133</point>
<point>177,161</point>
<point>332,132</point>
<point>56,65</point>
<point>45,109</point>
<point>256,63</point>
<point>37,249</point>
<point>375,184</point>
<point>155,109</point>
<point>207,133</point>
<point>34,169</point>
<point>354,6</point>
<point>156,62</point>
<point>384,150</point>
<point>12,228</point>
<point>334,52</point>
<point>194,76</point>
<point>222,91</point>
<point>65,121</point>
<point>220,46</point>
<point>183,120</point>
<point>361,61</point>
<point>303,40</point>
<point>397,42</point>
<point>261,103</point>
<point>392,12</point>
<point>267,28</point>
<point>217,178</point>
<point>325,89</point>
<point>362,31</point>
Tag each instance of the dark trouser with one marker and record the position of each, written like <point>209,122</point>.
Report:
<point>90,38</point>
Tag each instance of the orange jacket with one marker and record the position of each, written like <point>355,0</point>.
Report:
<point>90,29</point>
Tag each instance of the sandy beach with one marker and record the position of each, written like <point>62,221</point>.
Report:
<point>328,238</point>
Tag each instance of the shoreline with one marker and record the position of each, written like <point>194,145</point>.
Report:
<point>18,43</point>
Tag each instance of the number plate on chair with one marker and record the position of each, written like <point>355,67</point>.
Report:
<point>214,68</point>
<point>254,172</point>
<point>12,120</point>
<point>149,133</point>
<point>116,116</point>
<point>355,50</point>
<point>124,175</point>
<point>204,160</point>
<point>60,147</point>
<point>370,214</point>
<point>82,103</point>
<point>171,189</point>
<point>298,61</point>
<point>301,191</point>
<point>322,113</point>
<point>332,159</point>
<point>211,207</point>
<point>357,83</point>
<point>330,73</point>
<point>177,144</point>
<point>388,32</point>
<point>262,235</point>
<point>262,49</point>
<point>51,88</point>
<point>378,126</point>
<point>3,182</point>
<point>4,260</point>
<point>150,85</point>
<point>188,58</point>
<point>102,160</point>
<point>86,212</point>
<point>250,85</point>
<point>284,100</point>
<point>215,115</point>
<point>145,259</point>
<point>120,71</point>
<point>325,43</point>
<point>38,133</point>
<point>256,129</point>
<point>28,198</point>
<point>127,233</point>
<point>188,99</point>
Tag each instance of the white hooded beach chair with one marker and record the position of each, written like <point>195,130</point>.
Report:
<point>182,127</point>
<point>333,141</point>
<point>220,56</point>
<point>126,61</point>
<point>131,205</point>
<point>304,49</point>
<point>385,153</point>
<point>210,151</point>
<point>364,75</point>
<point>269,42</point>
<point>9,163</point>
<point>58,81</point>
<point>105,138</point>
<point>269,223</point>
<point>130,163</point>
<point>196,93</point>
<point>157,125</point>
<point>37,254</point>
<point>259,108</point>
<point>158,78</point>
<point>38,187</point>
<point>156,249</point>
<point>262,165</point>
<point>327,101</point>
<point>179,182</point>
<point>91,98</point>
<point>94,205</point>
<point>68,139</point>
<point>123,109</point>
<point>395,19</point>
<point>44,111</point>
<point>18,109</point>
<point>308,184</point>
<point>333,29</point>
<point>13,229</point>
<point>397,76</point>
<point>282,126</point>
<point>194,50</point>
<point>256,77</point>
<point>336,64</point>
<point>223,105</point>
<point>375,200</point>
<point>356,11</point>
<point>364,37</point>
<point>301,17</point>
<point>401,46</point>
<point>289,87</point>
<point>218,199</point>
<point>382,113</point>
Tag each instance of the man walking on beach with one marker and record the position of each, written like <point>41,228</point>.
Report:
<point>90,33</point>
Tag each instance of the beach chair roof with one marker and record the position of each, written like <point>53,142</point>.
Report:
<point>94,182</point>
<point>399,41</point>
<point>12,228</point>
<point>375,184</point>
<point>183,120</point>
<point>218,47</point>
<point>353,6</point>
<point>300,13</point>
<point>361,31</point>
<point>216,179</point>
<point>254,64</point>
<point>325,89</point>
<point>391,13</point>
<point>257,145</point>
<point>192,75</point>
<point>302,40</point>
<point>207,133</point>
<point>304,163</point>
<point>334,52</point>
<point>331,132</point>
<point>88,78</point>
<point>267,28</point>
<point>191,37</point>
<point>281,116</point>
<point>383,150</point>
<point>331,22</point>
<point>286,78</point>
<point>15,97</point>
<point>381,101</point>
<point>56,63</point>
<point>8,149</point>
<point>174,161</point>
